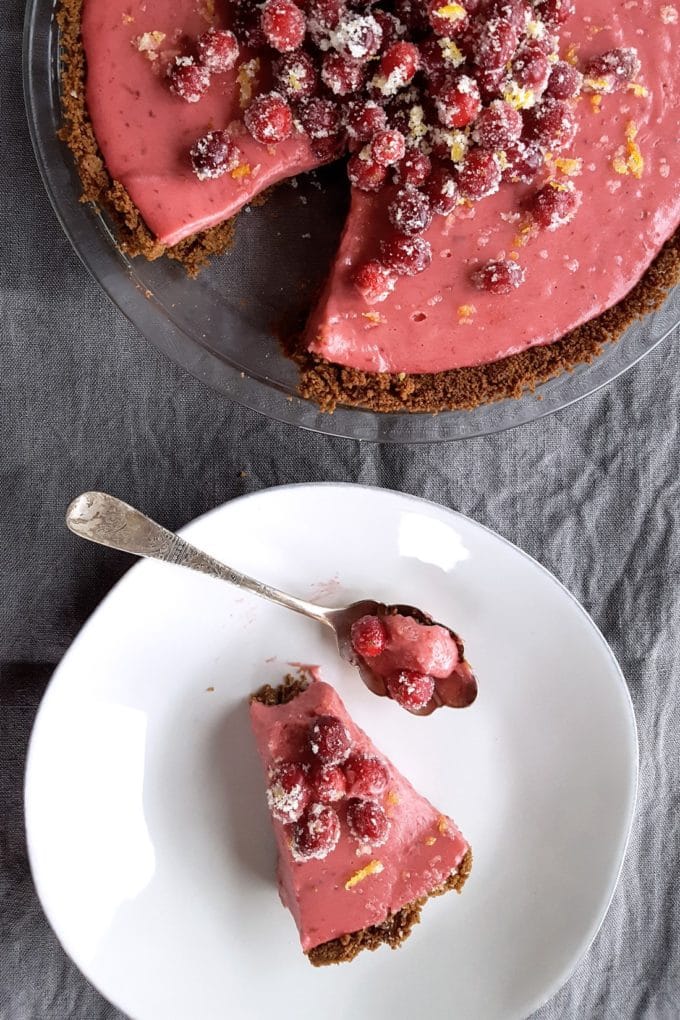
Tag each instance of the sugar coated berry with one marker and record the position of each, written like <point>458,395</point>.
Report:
<point>375,282</point>
<point>364,173</point>
<point>322,17</point>
<point>342,75</point>
<point>328,783</point>
<point>316,834</point>
<point>398,66</point>
<point>295,75</point>
<point>554,205</point>
<point>213,155</point>
<point>523,160</point>
<point>366,776</point>
<point>217,50</point>
<point>414,168</point>
<point>269,118</point>
<point>406,256</point>
<point>497,126</point>
<point>368,633</point>
<point>329,741</point>
<point>457,101</point>
<point>551,123</point>
<point>413,14</point>
<point>442,191</point>
<point>289,792</point>
<point>410,689</point>
<point>447,17</point>
<point>319,117</point>
<point>283,25</point>
<point>498,276</point>
<point>409,211</point>
<point>490,81</point>
<point>515,12</point>
<point>565,81</point>
<point>357,36</point>
<point>246,24</point>
<point>613,69</point>
<point>388,147</point>
<point>531,67</point>
<point>363,119</point>
<point>367,821</point>
<point>493,41</point>
<point>479,175</point>
<point>392,29</point>
<point>188,80</point>
<point>555,12</point>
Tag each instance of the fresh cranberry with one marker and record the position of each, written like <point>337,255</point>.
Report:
<point>565,81</point>
<point>479,175</point>
<point>367,821</point>
<point>357,36</point>
<point>457,101</point>
<point>392,29</point>
<point>555,12</point>
<point>551,123</point>
<point>406,256</point>
<point>213,155</point>
<point>342,75</point>
<point>283,25</point>
<point>410,689</point>
<point>369,635</point>
<point>498,276</point>
<point>364,173</point>
<point>269,118</point>
<point>363,118</point>
<point>442,191</point>
<point>328,783</point>
<point>217,50</point>
<point>493,42</point>
<point>329,740</point>
<point>289,792</point>
<point>295,75</point>
<point>523,161</point>
<point>246,24</point>
<point>530,67</point>
<point>319,117</point>
<point>388,147</point>
<point>409,211</point>
<point>447,17</point>
<point>316,834</point>
<point>399,64</point>
<point>616,67</point>
<point>497,126</point>
<point>366,776</point>
<point>553,207</point>
<point>188,80</point>
<point>322,17</point>
<point>375,283</point>
<point>414,168</point>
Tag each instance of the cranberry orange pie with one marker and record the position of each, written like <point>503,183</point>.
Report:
<point>360,851</point>
<point>513,168</point>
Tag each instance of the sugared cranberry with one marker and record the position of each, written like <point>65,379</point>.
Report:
<point>565,81</point>
<point>413,14</point>
<point>295,75</point>
<point>322,17</point>
<point>367,821</point>
<point>342,75</point>
<point>329,741</point>
<point>398,65</point>
<point>515,12</point>
<point>188,80</point>
<point>447,17</point>
<point>493,42</point>
<point>388,147</point>
<point>523,161</point>
<point>319,117</point>
<point>553,207</point>
<point>479,175</point>
<point>283,24</point>
<point>316,834</point>
<point>368,633</point>
<point>375,283</point>
<point>457,101</point>
<point>615,68</point>
<point>409,211</point>
<point>497,126</point>
<point>442,191</point>
<point>217,50</point>
<point>406,256</point>
<point>410,689</point>
<point>328,149</point>
<point>269,118</point>
<point>289,792</point>
<point>363,118</point>
<point>530,67</point>
<point>414,168</point>
<point>364,173</point>
<point>392,28</point>
<point>357,36</point>
<point>366,776</point>
<point>551,123</point>
<point>328,783</point>
<point>213,155</point>
<point>490,81</point>
<point>498,276</point>
<point>555,12</point>
<point>246,24</point>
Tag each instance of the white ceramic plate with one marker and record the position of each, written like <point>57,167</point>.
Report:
<point>148,835</point>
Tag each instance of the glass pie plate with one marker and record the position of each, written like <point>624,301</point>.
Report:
<point>221,327</point>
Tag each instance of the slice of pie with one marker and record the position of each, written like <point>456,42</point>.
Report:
<point>360,851</point>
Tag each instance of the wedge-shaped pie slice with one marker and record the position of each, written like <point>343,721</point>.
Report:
<point>360,851</point>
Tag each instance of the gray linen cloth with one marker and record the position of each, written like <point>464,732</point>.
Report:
<point>592,492</point>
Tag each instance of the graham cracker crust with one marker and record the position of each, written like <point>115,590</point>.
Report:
<point>326,384</point>
<point>397,927</point>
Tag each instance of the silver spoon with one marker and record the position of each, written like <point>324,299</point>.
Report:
<point>108,521</point>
